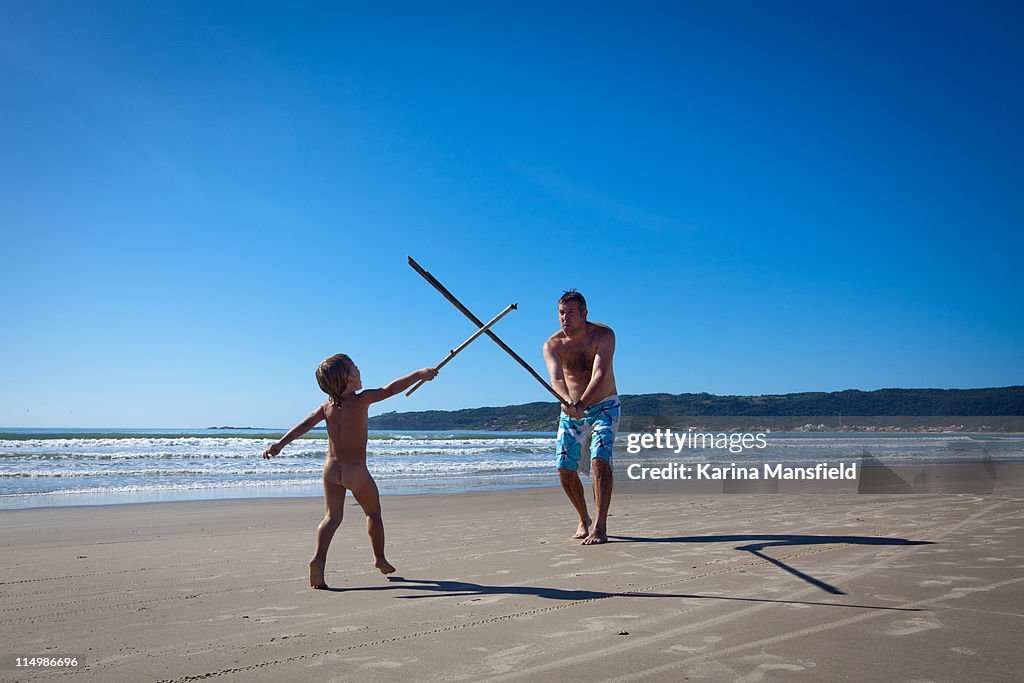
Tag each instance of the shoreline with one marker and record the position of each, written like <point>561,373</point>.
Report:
<point>244,493</point>
<point>263,499</point>
<point>976,476</point>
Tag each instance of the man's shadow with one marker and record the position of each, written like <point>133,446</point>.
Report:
<point>776,540</point>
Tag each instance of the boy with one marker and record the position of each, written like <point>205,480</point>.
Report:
<point>345,468</point>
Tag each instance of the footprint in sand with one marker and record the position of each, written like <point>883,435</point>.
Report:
<point>506,661</point>
<point>905,627</point>
<point>687,649</point>
<point>567,562</point>
<point>611,622</point>
<point>758,674</point>
<point>388,663</point>
<point>483,601</point>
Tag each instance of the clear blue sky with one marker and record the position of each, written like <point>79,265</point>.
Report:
<point>201,200</point>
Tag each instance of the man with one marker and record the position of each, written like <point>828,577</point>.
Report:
<point>579,360</point>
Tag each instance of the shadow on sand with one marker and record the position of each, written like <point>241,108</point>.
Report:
<point>430,588</point>
<point>762,541</point>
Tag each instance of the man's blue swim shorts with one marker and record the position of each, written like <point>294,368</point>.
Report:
<point>600,422</point>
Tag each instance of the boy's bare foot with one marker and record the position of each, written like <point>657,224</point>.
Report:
<point>583,530</point>
<point>384,566</point>
<point>596,538</point>
<point>316,575</point>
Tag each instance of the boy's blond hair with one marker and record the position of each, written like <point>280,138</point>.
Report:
<point>332,375</point>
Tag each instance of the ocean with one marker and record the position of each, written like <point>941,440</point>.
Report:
<point>46,468</point>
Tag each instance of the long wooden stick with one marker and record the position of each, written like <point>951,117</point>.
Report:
<point>466,312</point>
<point>454,352</point>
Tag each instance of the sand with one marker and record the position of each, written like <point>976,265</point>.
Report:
<point>490,587</point>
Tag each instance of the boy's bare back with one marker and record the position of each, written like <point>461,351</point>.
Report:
<point>346,445</point>
<point>347,430</point>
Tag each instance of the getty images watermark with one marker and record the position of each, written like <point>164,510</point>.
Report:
<point>664,460</point>
<point>735,443</point>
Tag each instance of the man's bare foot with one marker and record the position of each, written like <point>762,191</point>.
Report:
<point>583,530</point>
<point>384,566</point>
<point>316,574</point>
<point>596,538</point>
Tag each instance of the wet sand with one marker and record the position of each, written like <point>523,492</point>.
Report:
<point>489,586</point>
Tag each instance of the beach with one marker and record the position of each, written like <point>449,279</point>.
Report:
<point>490,587</point>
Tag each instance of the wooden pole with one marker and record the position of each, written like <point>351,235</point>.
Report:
<point>454,352</point>
<point>466,312</point>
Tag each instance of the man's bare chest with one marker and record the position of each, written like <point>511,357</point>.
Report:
<point>577,358</point>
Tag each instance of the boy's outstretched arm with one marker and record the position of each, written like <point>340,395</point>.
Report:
<point>295,432</point>
<point>399,385</point>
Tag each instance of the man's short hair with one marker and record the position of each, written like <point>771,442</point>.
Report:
<point>572,296</point>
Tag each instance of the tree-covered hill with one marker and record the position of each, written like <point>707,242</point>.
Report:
<point>648,409</point>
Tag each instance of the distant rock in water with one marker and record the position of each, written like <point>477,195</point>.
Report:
<point>227,427</point>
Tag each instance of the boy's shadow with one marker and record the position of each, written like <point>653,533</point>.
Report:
<point>776,540</point>
<point>458,589</point>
